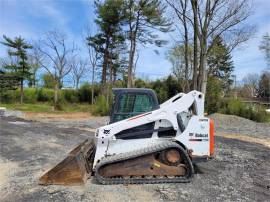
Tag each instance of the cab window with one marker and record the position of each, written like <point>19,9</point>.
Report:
<point>132,105</point>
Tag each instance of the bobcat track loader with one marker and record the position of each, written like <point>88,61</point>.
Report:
<point>144,142</point>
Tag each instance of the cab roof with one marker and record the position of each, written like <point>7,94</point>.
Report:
<point>132,90</point>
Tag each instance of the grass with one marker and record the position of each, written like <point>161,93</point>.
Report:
<point>77,108</point>
<point>47,107</point>
<point>268,118</point>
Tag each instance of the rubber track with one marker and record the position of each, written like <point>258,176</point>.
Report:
<point>137,153</point>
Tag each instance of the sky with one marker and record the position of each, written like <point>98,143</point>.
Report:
<point>32,18</point>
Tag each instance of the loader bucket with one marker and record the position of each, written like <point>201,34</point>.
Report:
<point>75,169</point>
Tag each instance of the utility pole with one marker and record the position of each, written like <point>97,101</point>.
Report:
<point>234,86</point>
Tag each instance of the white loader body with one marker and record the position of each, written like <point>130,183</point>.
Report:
<point>184,113</point>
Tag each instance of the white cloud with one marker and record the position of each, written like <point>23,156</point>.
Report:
<point>32,18</point>
<point>35,14</point>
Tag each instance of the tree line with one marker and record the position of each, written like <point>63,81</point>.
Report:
<point>204,34</point>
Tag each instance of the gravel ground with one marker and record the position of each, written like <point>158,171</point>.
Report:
<point>240,170</point>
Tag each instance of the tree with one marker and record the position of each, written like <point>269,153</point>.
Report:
<point>35,63</point>
<point>109,20</point>
<point>56,58</point>
<point>265,47</point>
<point>18,48</point>
<point>94,56</point>
<point>172,86</point>
<point>8,81</point>
<point>78,69</point>
<point>180,8</point>
<point>220,18</point>
<point>209,19</point>
<point>161,90</point>
<point>264,85</point>
<point>177,57</point>
<point>214,93</point>
<point>47,81</point>
<point>143,17</point>
<point>220,63</point>
<point>251,84</point>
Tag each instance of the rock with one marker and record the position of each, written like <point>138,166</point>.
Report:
<point>14,113</point>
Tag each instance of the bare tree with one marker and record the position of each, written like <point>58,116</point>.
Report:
<point>93,55</point>
<point>78,70</point>
<point>137,56</point>
<point>265,48</point>
<point>209,19</point>
<point>56,56</point>
<point>180,8</point>
<point>251,84</point>
<point>217,18</point>
<point>177,58</point>
<point>35,58</point>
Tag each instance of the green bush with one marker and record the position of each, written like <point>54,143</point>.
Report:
<point>6,96</point>
<point>85,92</point>
<point>15,95</point>
<point>139,83</point>
<point>161,91</point>
<point>100,107</point>
<point>239,108</point>
<point>45,95</point>
<point>119,84</point>
<point>30,95</point>
<point>70,95</point>
<point>11,96</point>
<point>59,105</point>
<point>213,95</point>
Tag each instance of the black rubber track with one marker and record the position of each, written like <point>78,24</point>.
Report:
<point>150,150</point>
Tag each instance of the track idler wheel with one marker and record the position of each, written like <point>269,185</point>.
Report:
<point>171,157</point>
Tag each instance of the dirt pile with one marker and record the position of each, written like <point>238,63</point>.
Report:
<point>238,125</point>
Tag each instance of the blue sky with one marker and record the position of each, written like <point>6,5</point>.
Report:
<point>32,18</point>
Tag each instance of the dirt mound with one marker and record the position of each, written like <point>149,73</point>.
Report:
<point>238,125</point>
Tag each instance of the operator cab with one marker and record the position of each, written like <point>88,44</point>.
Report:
<point>130,102</point>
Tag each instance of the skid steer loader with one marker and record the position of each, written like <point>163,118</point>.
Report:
<point>144,142</point>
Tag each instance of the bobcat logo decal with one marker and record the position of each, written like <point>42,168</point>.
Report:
<point>106,132</point>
